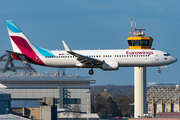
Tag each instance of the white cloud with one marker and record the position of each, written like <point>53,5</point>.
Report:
<point>149,84</point>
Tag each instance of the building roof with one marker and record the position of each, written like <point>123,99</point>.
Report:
<point>1,92</point>
<point>164,93</point>
<point>76,115</point>
<point>25,103</point>
<point>61,113</point>
<point>11,116</point>
<point>168,115</point>
<point>38,78</point>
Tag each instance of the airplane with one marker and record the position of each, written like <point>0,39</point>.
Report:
<point>108,60</point>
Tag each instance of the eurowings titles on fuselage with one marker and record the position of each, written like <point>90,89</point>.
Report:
<point>25,51</point>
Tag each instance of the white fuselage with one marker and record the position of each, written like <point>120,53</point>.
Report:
<point>125,58</point>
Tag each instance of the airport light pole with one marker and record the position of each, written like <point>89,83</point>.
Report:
<point>34,113</point>
<point>88,105</point>
<point>6,112</point>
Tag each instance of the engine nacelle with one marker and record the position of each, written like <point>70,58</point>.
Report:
<point>110,65</point>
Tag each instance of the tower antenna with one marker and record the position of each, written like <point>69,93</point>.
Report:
<point>131,26</point>
<point>135,26</point>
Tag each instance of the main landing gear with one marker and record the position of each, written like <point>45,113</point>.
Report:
<point>91,72</point>
<point>159,71</point>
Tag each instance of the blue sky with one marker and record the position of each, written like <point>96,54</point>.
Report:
<point>93,24</point>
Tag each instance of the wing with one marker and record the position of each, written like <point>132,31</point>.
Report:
<point>82,58</point>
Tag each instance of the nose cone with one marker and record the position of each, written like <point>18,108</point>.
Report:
<point>173,59</point>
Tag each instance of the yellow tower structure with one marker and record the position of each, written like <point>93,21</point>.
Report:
<point>138,39</point>
<point>140,42</point>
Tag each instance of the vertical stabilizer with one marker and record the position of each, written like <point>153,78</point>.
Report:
<point>18,40</point>
<point>21,44</point>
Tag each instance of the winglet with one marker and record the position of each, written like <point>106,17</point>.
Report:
<point>66,47</point>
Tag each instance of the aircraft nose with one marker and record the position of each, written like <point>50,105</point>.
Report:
<point>173,59</point>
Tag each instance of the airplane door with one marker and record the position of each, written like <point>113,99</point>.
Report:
<point>156,56</point>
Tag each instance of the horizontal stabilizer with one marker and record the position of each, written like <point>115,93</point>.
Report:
<point>14,53</point>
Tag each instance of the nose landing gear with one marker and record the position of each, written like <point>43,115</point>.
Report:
<point>91,72</point>
<point>159,71</point>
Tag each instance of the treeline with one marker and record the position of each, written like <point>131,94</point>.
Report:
<point>105,108</point>
<point>112,101</point>
<point>114,90</point>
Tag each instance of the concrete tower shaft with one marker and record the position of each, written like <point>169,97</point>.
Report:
<point>139,91</point>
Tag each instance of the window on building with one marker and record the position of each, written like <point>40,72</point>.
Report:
<point>136,42</point>
<point>72,101</point>
<point>145,42</point>
<point>129,42</point>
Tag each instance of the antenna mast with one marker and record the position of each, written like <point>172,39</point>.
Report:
<point>131,26</point>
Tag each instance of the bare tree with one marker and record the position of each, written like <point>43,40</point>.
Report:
<point>67,112</point>
<point>76,111</point>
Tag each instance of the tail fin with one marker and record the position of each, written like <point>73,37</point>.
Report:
<point>19,41</point>
<point>21,44</point>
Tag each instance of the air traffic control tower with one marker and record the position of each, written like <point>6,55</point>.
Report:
<point>138,40</point>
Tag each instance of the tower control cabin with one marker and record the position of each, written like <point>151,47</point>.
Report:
<point>139,41</point>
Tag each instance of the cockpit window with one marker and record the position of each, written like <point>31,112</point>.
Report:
<point>167,54</point>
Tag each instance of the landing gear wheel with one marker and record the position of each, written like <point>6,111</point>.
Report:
<point>91,72</point>
<point>159,71</point>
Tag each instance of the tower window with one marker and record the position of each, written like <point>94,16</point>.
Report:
<point>145,42</point>
<point>136,42</point>
<point>129,42</point>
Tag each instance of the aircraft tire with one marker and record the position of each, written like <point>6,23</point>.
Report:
<point>159,71</point>
<point>91,72</point>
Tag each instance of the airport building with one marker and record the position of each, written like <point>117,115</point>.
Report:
<point>163,98</point>
<point>68,90</point>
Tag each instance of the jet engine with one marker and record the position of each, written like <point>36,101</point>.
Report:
<point>110,65</point>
